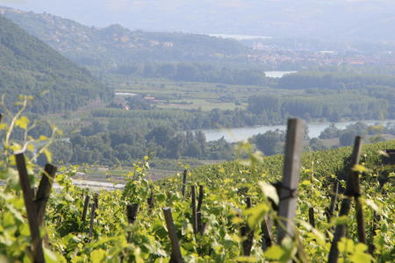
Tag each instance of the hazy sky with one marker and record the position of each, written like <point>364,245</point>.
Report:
<point>218,16</point>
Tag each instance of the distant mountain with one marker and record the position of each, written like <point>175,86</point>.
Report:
<point>30,67</point>
<point>323,19</point>
<point>115,45</point>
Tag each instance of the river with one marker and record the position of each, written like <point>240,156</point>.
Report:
<point>242,134</point>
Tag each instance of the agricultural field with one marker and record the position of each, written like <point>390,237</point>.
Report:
<point>194,95</point>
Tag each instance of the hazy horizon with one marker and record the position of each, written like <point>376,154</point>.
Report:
<point>343,19</point>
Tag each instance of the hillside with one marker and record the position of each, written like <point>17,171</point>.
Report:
<point>30,67</point>
<point>220,213</point>
<point>115,45</point>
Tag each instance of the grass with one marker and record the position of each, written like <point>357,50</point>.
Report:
<point>195,95</point>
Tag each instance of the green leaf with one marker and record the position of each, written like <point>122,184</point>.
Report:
<point>346,245</point>
<point>274,252</point>
<point>98,255</point>
<point>256,214</point>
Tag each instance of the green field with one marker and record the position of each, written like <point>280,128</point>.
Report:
<point>195,95</point>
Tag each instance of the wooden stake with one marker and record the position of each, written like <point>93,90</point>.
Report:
<point>200,226</point>
<point>194,211</point>
<point>200,198</point>
<point>85,211</point>
<point>311,217</point>
<point>247,233</point>
<point>151,200</point>
<point>176,251</point>
<point>332,206</point>
<point>132,212</point>
<point>31,209</point>
<point>340,229</point>
<point>44,190</point>
<point>93,213</point>
<point>288,188</point>
<point>267,236</point>
<point>376,219</point>
<point>184,182</point>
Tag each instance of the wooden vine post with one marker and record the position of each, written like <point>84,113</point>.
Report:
<point>44,190</point>
<point>267,236</point>
<point>131,212</point>
<point>288,188</point>
<point>176,256</point>
<point>351,187</point>
<point>85,209</point>
<point>37,249</point>
<point>184,182</point>
<point>194,209</point>
<point>311,216</point>
<point>247,233</point>
<point>332,207</point>
<point>35,204</point>
<point>200,224</point>
<point>93,213</point>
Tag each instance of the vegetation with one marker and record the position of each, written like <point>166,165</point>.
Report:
<point>30,67</point>
<point>113,237</point>
<point>115,45</point>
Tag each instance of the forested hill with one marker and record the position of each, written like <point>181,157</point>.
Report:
<point>30,67</point>
<point>115,45</point>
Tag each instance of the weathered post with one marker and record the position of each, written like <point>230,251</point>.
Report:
<point>332,206</point>
<point>175,246</point>
<point>200,226</point>
<point>340,229</point>
<point>288,188</point>
<point>247,233</point>
<point>93,215</point>
<point>151,200</point>
<point>31,209</point>
<point>311,217</point>
<point>194,210</point>
<point>184,182</point>
<point>44,190</point>
<point>85,210</point>
<point>267,236</point>
<point>132,212</point>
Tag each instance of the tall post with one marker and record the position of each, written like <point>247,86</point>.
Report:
<point>194,210</point>
<point>340,229</point>
<point>131,212</point>
<point>200,226</point>
<point>93,214</point>
<point>247,234</point>
<point>332,206</point>
<point>288,188</point>
<point>85,209</point>
<point>44,190</point>
<point>175,246</point>
<point>184,182</point>
<point>31,209</point>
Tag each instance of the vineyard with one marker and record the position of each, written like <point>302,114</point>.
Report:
<point>336,205</point>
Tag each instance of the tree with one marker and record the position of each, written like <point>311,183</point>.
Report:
<point>271,142</point>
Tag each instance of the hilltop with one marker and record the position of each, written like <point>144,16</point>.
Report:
<point>30,67</point>
<point>115,45</point>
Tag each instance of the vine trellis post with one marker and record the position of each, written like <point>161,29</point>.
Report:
<point>289,184</point>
